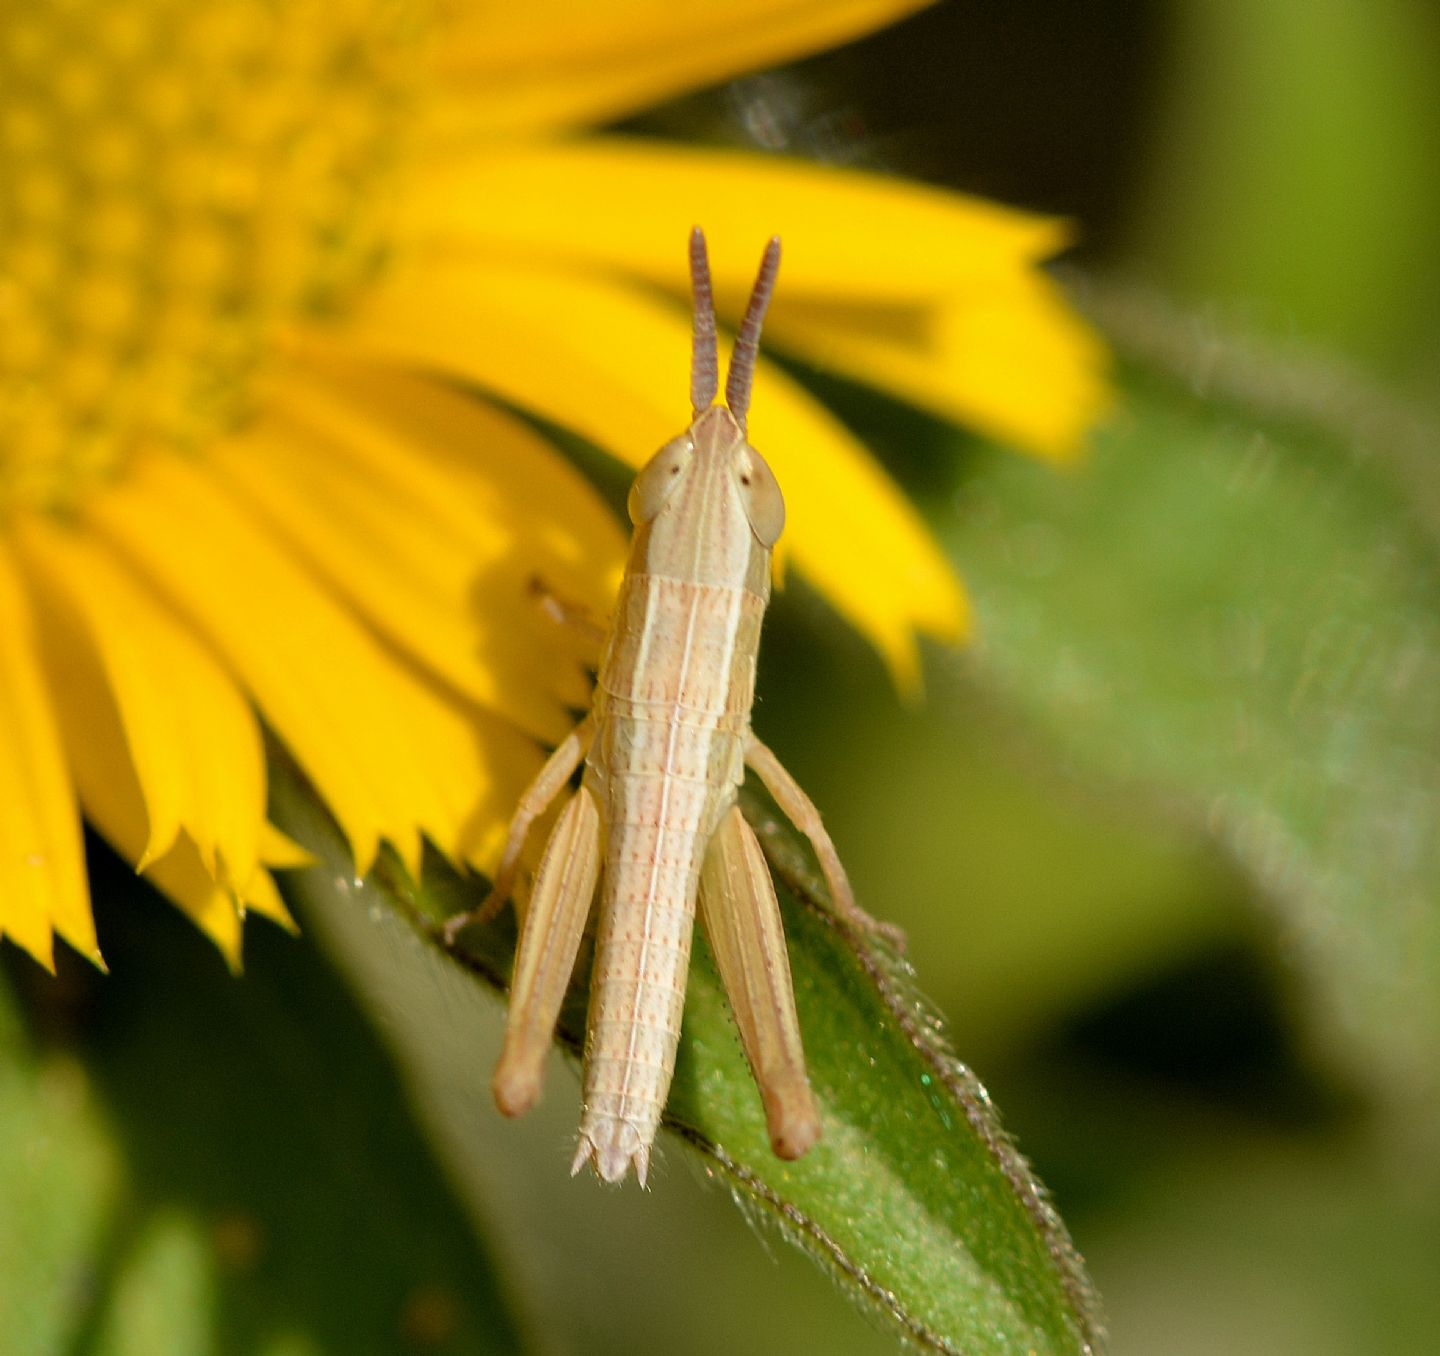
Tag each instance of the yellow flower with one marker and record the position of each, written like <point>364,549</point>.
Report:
<point>274,278</point>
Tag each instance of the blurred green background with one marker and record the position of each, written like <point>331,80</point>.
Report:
<point>1163,839</point>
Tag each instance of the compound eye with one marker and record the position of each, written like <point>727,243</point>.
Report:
<point>656,481</point>
<point>760,493</point>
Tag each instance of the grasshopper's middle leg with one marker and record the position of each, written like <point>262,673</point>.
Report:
<point>536,799</point>
<point>800,810</point>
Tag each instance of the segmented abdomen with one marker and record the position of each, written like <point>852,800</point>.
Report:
<point>672,709</point>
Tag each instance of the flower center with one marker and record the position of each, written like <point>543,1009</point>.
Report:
<point>178,179</point>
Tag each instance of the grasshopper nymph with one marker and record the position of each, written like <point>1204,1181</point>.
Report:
<point>654,820</point>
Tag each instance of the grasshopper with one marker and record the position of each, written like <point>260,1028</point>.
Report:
<point>655,819</point>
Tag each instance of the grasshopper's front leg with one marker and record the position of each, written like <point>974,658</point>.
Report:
<point>566,612</point>
<point>800,810</point>
<point>548,784</point>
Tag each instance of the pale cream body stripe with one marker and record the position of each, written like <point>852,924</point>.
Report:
<point>672,713</point>
<point>667,760</point>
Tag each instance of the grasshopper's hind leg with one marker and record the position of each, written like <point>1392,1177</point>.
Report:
<point>742,921</point>
<point>536,799</point>
<point>549,941</point>
<point>800,810</point>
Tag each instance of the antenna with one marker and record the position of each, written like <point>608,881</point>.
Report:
<point>704,366</point>
<point>747,342</point>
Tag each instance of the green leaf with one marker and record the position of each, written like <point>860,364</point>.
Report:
<point>914,1200</point>
<point>1320,1248</point>
<point>195,1163</point>
<point>59,1175</point>
<point>1291,166</point>
<point>1239,608</point>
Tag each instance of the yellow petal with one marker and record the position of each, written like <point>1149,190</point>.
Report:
<point>901,242</point>
<point>510,330</point>
<point>611,363</point>
<point>932,295</point>
<point>261,896</point>
<point>42,858</point>
<point>554,62</point>
<point>324,683</point>
<point>282,853</point>
<point>378,557</point>
<point>190,733</point>
<point>464,461</point>
<point>180,875</point>
<point>104,774</point>
<point>480,763</point>
<point>1011,358</point>
<point>433,514</point>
